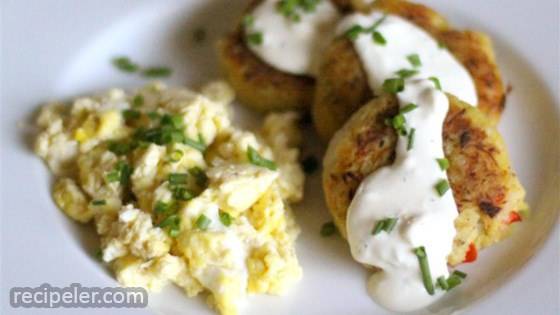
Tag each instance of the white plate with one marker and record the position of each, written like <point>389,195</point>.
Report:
<point>57,49</point>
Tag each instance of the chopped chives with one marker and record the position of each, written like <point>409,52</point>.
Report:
<point>442,187</point>
<point>442,282</point>
<point>198,145</point>
<point>120,148</point>
<point>386,225</point>
<point>459,274</point>
<point>414,60</point>
<point>255,38</point>
<point>379,39</point>
<point>175,121</point>
<point>162,207</point>
<point>225,218</point>
<point>156,72</point>
<point>181,193</point>
<point>154,115</point>
<point>203,222</point>
<point>378,227</point>
<point>176,155</point>
<point>99,254</point>
<point>138,100</point>
<point>125,64</point>
<point>178,178</point>
<point>453,281</point>
<point>98,202</point>
<point>443,163</point>
<point>131,114</point>
<point>406,73</point>
<point>328,229</point>
<point>248,20</point>
<point>113,176</point>
<point>390,224</point>
<point>410,139</point>
<point>425,269</point>
<point>398,123</point>
<point>393,85</point>
<point>408,108</point>
<point>172,220</point>
<point>353,32</point>
<point>174,231</point>
<point>256,159</point>
<point>436,82</point>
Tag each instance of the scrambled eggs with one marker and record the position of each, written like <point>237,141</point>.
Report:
<point>176,192</point>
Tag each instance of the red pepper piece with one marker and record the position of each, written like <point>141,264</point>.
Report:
<point>513,217</point>
<point>472,254</point>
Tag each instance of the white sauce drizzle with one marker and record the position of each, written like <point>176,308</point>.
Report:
<point>291,46</point>
<point>404,39</point>
<point>406,189</point>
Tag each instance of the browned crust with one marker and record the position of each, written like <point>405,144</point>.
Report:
<point>333,104</point>
<point>259,85</point>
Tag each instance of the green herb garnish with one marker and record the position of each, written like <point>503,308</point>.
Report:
<point>442,187</point>
<point>414,60</point>
<point>131,114</point>
<point>138,100</point>
<point>255,38</point>
<point>176,156</point>
<point>436,82</point>
<point>408,108</point>
<point>386,225</point>
<point>182,193</point>
<point>125,64</point>
<point>393,86</point>
<point>225,218</point>
<point>442,282</point>
<point>425,269</point>
<point>289,8</point>
<point>353,32</point>
<point>455,279</point>
<point>98,202</point>
<point>156,72</point>
<point>173,225</point>
<point>203,222</point>
<point>120,148</point>
<point>256,159</point>
<point>99,254</point>
<point>162,207</point>
<point>406,73</point>
<point>178,178</point>
<point>398,123</point>
<point>443,164</point>
<point>410,139</point>
<point>121,173</point>
<point>248,20</point>
<point>378,38</point>
<point>198,145</point>
<point>328,229</point>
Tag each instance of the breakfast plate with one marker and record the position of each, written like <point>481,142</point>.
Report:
<point>58,50</point>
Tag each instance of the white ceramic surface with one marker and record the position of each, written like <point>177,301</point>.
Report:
<point>59,49</point>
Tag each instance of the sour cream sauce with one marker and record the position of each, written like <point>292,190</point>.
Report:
<point>406,189</point>
<point>293,46</point>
